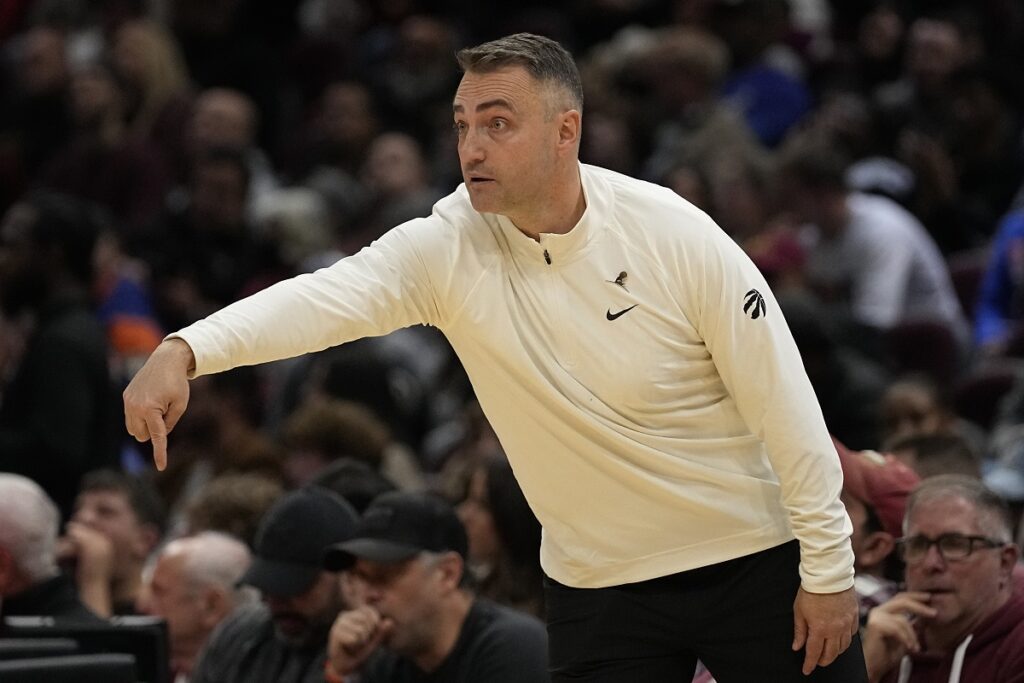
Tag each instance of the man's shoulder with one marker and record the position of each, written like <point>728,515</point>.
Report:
<point>243,628</point>
<point>491,620</point>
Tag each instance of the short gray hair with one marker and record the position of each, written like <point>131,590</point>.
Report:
<point>212,559</point>
<point>544,59</point>
<point>30,523</point>
<point>992,511</point>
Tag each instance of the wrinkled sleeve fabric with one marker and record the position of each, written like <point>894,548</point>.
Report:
<point>761,367</point>
<point>384,287</point>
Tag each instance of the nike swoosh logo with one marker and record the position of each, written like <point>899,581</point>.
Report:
<point>624,311</point>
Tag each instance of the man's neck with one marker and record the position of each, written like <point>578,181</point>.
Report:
<point>449,628</point>
<point>560,210</point>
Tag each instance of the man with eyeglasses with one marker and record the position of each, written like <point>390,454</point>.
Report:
<point>958,619</point>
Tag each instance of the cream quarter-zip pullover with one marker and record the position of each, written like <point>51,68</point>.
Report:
<point>637,370</point>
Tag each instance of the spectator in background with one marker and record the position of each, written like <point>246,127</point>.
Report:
<point>35,122</point>
<point>204,252</point>
<point>767,80</point>
<point>223,118</point>
<point>344,124</point>
<point>684,67</point>
<point>959,619</point>
<point>868,253</point>
<point>323,429</point>
<point>355,481</point>
<point>104,163</point>
<point>30,581</point>
<point>118,521</point>
<point>157,91</point>
<point>283,639</point>
<point>875,490</point>
<point>395,175</point>
<point>192,585</point>
<point>419,619</point>
<point>997,326</point>
<point>914,406</point>
<point>232,504</point>
<point>933,454</point>
<point>59,414</point>
<point>504,538</point>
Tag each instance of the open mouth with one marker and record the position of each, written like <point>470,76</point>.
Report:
<point>480,180</point>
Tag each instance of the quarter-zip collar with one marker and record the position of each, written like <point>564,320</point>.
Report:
<point>565,248</point>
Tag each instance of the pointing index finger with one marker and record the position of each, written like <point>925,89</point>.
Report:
<point>158,435</point>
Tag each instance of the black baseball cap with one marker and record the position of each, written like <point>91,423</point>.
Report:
<point>397,526</point>
<point>292,537</point>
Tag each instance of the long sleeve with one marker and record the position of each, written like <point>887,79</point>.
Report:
<point>384,287</point>
<point>761,367</point>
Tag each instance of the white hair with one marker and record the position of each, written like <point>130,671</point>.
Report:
<point>213,560</point>
<point>29,522</point>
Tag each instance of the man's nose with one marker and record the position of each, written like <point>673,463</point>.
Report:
<point>933,559</point>
<point>471,148</point>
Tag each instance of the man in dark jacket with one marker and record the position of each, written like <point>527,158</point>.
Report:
<point>59,413</point>
<point>284,639</point>
<point>419,621</point>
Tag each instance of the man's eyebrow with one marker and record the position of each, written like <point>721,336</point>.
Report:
<point>498,102</point>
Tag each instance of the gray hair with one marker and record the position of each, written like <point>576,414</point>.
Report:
<point>544,59</point>
<point>29,523</point>
<point>213,560</point>
<point>992,511</point>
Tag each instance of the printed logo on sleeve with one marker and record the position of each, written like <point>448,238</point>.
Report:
<point>753,304</point>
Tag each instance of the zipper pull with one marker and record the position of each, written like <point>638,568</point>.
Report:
<point>547,257</point>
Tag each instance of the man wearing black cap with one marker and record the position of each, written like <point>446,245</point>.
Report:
<point>284,639</point>
<point>419,620</point>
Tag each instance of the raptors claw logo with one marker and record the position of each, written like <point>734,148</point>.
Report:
<point>753,304</point>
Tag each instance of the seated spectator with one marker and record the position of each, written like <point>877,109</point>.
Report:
<point>959,619</point>
<point>933,454</point>
<point>232,504</point>
<point>875,490</point>
<point>284,638</point>
<point>193,586</point>
<point>322,430</point>
<point>997,325</point>
<point>867,251</point>
<point>355,481</point>
<point>419,620</point>
<point>118,521</point>
<point>504,537</point>
<point>60,415</point>
<point>30,581</point>
<point>914,406</point>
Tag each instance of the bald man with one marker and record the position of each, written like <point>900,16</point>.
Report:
<point>192,586</point>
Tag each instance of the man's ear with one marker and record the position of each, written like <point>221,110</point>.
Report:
<point>569,129</point>
<point>216,604</point>
<point>876,547</point>
<point>451,566</point>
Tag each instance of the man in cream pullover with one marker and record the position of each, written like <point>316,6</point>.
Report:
<point>637,370</point>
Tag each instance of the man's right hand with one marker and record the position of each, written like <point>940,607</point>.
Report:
<point>157,396</point>
<point>890,633</point>
<point>356,634</point>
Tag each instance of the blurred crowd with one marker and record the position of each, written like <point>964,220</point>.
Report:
<point>162,158</point>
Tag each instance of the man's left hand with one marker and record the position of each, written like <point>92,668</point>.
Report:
<point>825,624</point>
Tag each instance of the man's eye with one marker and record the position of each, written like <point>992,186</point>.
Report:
<point>499,124</point>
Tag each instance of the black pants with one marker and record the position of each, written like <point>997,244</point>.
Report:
<point>736,617</point>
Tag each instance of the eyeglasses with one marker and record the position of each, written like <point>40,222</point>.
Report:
<point>952,547</point>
